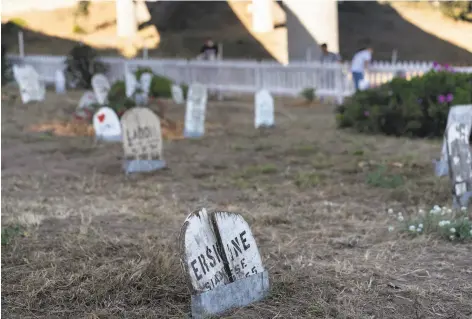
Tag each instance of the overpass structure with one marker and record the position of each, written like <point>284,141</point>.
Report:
<point>309,23</point>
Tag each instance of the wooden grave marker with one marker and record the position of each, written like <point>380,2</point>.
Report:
<point>177,94</point>
<point>460,162</point>
<point>31,88</point>
<point>142,140</point>
<point>264,109</point>
<point>457,114</point>
<point>195,111</point>
<point>101,87</point>
<point>107,125</point>
<point>221,261</point>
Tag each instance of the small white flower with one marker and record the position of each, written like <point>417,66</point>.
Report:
<point>419,230</point>
<point>390,229</point>
<point>436,208</point>
<point>444,208</point>
<point>399,214</point>
<point>449,211</point>
<point>463,208</point>
<point>390,211</point>
<point>444,223</point>
<point>400,218</point>
<point>451,237</point>
<point>452,230</point>
<point>412,228</point>
<point>420,226</point>
<point>421,212</point>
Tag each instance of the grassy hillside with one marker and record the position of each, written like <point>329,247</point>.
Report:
<point>177,29</point>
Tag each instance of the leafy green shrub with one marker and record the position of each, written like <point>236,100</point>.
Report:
<point>416,107</point>
<point>81,64</point>
<point>309,94</point>
<point>117,99</point>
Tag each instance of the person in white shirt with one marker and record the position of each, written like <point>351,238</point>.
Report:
<point>360,62</point>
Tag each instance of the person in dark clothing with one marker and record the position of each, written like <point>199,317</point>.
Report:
<point>209,50</point>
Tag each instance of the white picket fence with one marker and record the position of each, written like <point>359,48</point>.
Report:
<point>330,80</point>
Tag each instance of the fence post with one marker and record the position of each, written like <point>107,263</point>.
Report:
<point>21,44</point>
<point>220,58</point>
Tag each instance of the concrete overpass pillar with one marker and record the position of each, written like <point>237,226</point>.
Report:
<point>262,20</point>
<point>309,24</point>
<point>126,23</point>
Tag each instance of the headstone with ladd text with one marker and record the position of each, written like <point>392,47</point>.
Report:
<point>222,263</point>
<point>31,87</point>
<point>264,110</point>
<point>177,94</point>
<point>106,125</point>
<point>142,140</point>
<point>460,163</point>
<point>101,87</point>
<point>457,114</point>
<point>195,111</point>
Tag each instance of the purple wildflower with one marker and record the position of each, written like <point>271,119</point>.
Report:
<point>366,113</point>
<point>449,97</point>
<point>441,99</point>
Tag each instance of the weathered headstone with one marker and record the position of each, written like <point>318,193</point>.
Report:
<point>107,125</point>
<point>222,263</point>
<point>457,114</point>
<point>195,111</point>
<point>31,88</point>
<point>460,162</point>
<point>177,94</point>
<point>85,109</point>
<point>145,86</point>
<point>142,140</point>
<point>101,87</point>
<point>60,82</point>
<point>264,109</point>
<point>131,83</point>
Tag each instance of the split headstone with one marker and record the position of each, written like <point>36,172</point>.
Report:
<point>142,140</point>
<point>31,88</point>
<point>457,114</point>
<point>101,87</point>
<point>177,94</point>
<point>107,125</point>
<point>460,162</point>
<point>85,109</point>
<point>60,82</point>
<point>222,263</point>
<point>264,109</point>
<point>195,111</point>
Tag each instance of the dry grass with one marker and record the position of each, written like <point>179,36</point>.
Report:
<point>84,241</point>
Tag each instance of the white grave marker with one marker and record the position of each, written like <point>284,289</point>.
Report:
<point>457,114</point>
<point>31,88</point>
<point>107,125</point>
<point>145,86</point>
<point>264,109</point>
<point>195,111</point>
<point>460,162</point>
<point>101,87</point>
<point>177,94</point>
<point>142,140</point>
<point>131,83</point>
<point>221,260</point>
<point>60,82</point>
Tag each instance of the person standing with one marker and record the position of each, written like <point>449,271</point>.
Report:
<point>209,50</point>
<point>360,63</point>
<point>327,57</point>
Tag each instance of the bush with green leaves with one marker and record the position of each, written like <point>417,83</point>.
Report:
<point>309,94</point>
<point>81,64</point>
<point>450,224</point>
<point>417,107</point>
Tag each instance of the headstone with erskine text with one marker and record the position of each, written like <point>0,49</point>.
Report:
<point>221,262</point>
<point>142,140</point>
<point>460,163</point>
<point>107,125</point>
<point>101,87</point>
<point>195,111</point>
<point>264,110</point>
<point>457,114</point>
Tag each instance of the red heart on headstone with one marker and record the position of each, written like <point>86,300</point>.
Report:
<point>101,117</point>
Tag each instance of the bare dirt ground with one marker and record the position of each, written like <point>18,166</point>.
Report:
<point>81,240</point>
